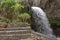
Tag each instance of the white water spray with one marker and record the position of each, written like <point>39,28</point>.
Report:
<point>41,21</point>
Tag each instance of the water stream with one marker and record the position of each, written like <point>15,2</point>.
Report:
<point>41,21</point>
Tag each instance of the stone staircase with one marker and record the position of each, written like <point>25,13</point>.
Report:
<point>21,33</point>
<point>15,33</point>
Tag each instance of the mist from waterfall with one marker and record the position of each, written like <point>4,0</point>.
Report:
<point>41,21</point>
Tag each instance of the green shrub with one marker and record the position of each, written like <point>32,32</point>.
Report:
<point>55,22</point>
<point>14,12</point>
<point>5,20</point>
<point>24,17</point>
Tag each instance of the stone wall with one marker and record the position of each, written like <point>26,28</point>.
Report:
<point>22,33</point>
<point>15,33</point>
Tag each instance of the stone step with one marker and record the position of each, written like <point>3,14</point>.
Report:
<point>27,39</point>
<point>28,34</point>
<point>16,36</point>
<point>15,32</point>
<point>16,28</point>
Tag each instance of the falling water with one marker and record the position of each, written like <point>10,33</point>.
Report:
<point>41,21</point>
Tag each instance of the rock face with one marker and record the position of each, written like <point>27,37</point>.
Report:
<point>51,7</point>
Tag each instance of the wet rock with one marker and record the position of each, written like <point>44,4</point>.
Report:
<point>57,32</point>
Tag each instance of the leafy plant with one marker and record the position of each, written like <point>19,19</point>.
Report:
<point>13,11</point>
<point>55,22</point>
<point>24,17</point>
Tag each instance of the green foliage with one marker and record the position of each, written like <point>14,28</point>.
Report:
<point>55,22</point>
<point>24,17</point>
<point>11,7</point>
<point>14,11</point>
<point>5,20</point>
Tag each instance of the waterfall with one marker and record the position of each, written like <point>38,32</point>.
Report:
<point>41,21</point>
